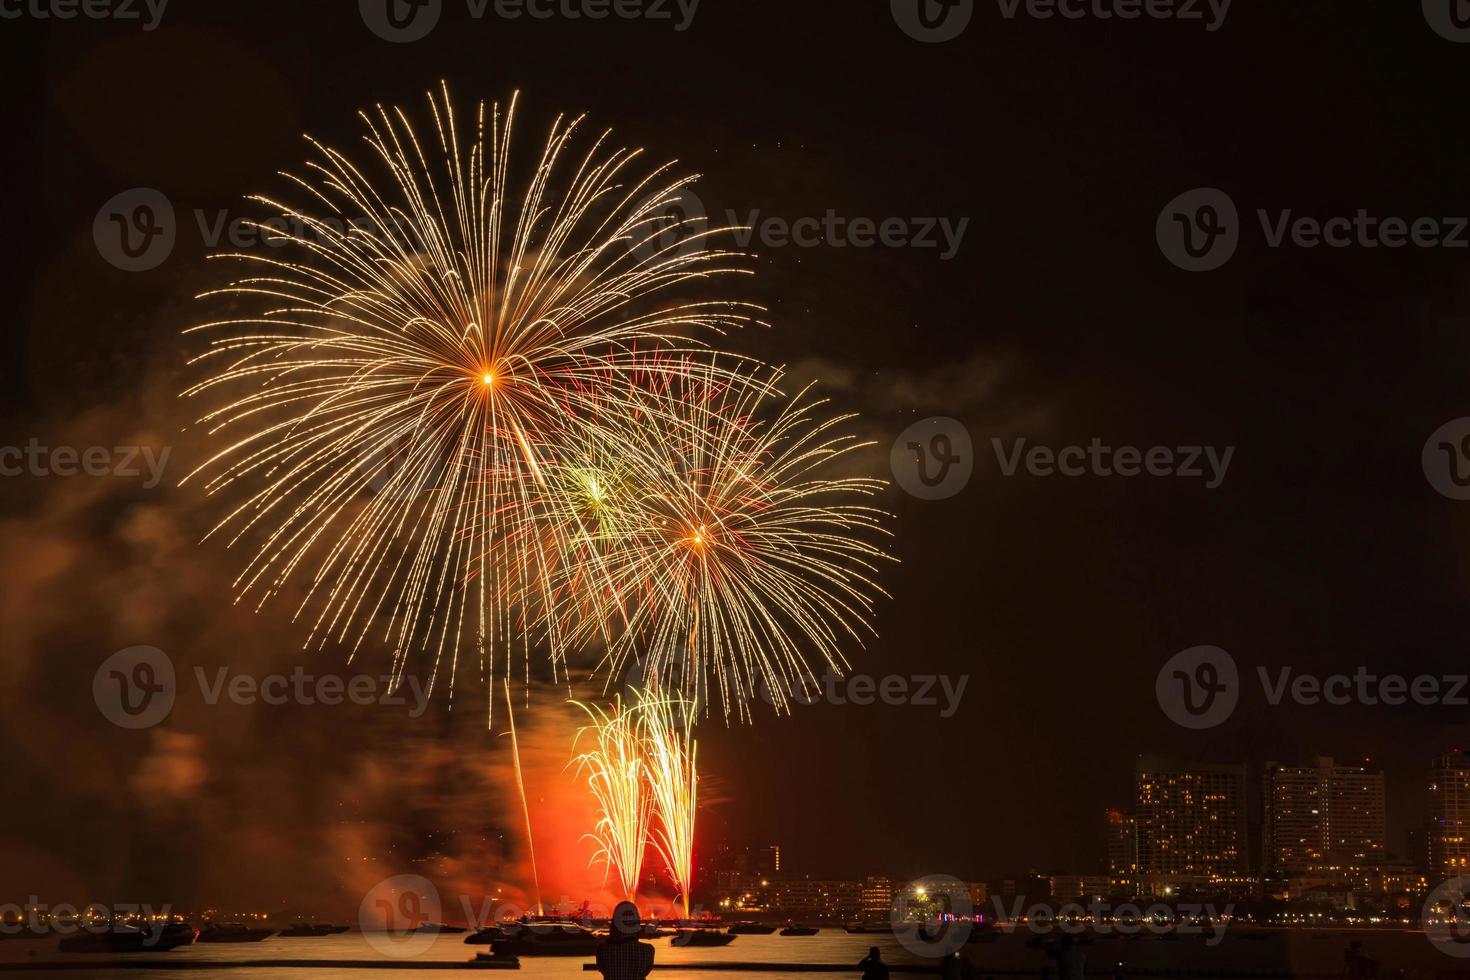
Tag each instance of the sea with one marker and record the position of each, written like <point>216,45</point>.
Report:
<point>1240,953</point>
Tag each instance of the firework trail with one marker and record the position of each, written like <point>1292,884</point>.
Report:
<point>392,382</point>
<point>615,770</point>
<point>708,543</point>
<point>667,726</point>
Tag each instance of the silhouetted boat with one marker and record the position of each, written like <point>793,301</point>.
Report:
<point>440,928</point>
<point>129,939</point>
<point>866,927</point>
<point>547,939</point>
<point>495,961</point>
<point>705,937</point>
<point>800,931</point>
<point>232,932</point>
<point>750,929</point>
<point>299,930</point>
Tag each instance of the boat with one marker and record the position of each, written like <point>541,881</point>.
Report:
<point>546,939</point>
<point>705,937</point>
<point>298,930</point>
<point>439,928</point>
<point>866,927</point>
<point>495,961</point>
<point>130,939</point>
<point>489,934</point>
<point>800,931</point>
<point>332,930</point>
<point>750,929</point>
<point>232,932</point>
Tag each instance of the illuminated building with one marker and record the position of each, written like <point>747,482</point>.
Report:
<point>1189,819</point>
<point>815,899</point>
<point>1122,850</point>
<point>1085,887</point>
<point>1322,814</point>
<point>1449,815</point>
<point>877,898</point>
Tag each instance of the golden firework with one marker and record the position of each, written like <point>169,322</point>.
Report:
<point>395,378</point>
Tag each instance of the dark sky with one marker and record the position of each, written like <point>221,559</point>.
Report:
<point>1058,320</point>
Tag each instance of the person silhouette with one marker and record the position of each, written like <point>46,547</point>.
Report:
<point>623,956</point>
<point>873,966</point>
<point>1071,961</point>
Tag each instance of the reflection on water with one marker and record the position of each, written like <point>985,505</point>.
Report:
<point>1299,953</point>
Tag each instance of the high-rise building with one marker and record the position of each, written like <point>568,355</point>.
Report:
<point>1449,815</point>
<point>815,900</point>
<point>1189,818</point>
<point>1122,846</point>
<point>1322,814</point>
<point>877,898</point>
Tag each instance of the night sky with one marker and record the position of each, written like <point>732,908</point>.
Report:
<point>1057,320</point>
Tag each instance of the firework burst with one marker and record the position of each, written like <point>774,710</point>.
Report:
<point>409,361</point>
<point>730,559</point>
